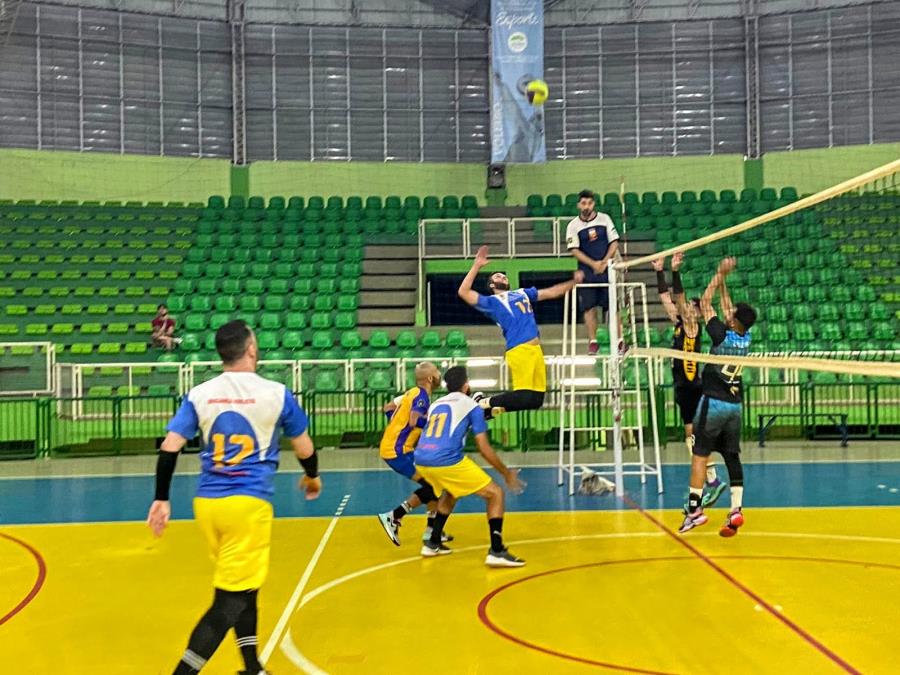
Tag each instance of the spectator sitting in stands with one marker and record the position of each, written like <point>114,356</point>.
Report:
<point>164,330</point>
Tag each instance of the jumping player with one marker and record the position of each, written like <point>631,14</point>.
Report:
<point>512,311</point>
<point>239,415</point>
<point>686,377</point>
<point>407,418</point>
<point>440,460</point>
<point>717,425</point>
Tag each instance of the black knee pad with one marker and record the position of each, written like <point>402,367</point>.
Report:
<point>425,493</point>
<point>735,469</point>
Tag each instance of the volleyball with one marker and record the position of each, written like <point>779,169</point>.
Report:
<point>537,92</point>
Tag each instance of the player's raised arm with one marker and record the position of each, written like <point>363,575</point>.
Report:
<point>510,476</point>
<point>465,288</point>
<point>663,288</point>
<point>706,302</point>
<point>559,290</point>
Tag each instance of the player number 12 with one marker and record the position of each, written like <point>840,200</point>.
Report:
<point>247,447</point>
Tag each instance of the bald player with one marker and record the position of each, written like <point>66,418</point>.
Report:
<point>406,419</point>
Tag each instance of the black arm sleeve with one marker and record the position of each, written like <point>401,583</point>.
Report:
<point>165,467</point>
<point>716,330</point>
<point>311,465</point>
<point>661,284</point>
<point>677,288</point>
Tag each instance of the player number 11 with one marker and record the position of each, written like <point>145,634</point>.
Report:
<point>438,421</point>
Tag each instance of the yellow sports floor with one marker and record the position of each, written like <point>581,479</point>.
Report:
<point>806,591</point>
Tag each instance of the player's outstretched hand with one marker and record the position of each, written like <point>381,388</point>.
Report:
<point>481,258</point>
<point>515,484</point>
<point>311,486</point>
<point>658,264</point>
<point>677,259</point>
<point>158,517</point>
<point>578,277</point>
<point>727,265</point>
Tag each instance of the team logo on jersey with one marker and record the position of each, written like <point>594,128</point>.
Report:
<point>592,234</point>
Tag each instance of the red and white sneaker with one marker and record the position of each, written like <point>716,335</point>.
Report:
<point>734,520</point>
<point>593,347</point>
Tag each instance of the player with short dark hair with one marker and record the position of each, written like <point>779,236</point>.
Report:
<point>239,415</point>
<point>717,426</point>
<point>441,461</point>
<point>685,374</point>
<point>592,239</point>
<point>512,311</point>
<point>406,418</point>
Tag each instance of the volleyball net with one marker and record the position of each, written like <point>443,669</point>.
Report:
<point>821,271</point>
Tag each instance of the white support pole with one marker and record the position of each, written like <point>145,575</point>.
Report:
<point>616,379</point>
<point>562,409</point>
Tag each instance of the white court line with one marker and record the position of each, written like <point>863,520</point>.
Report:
<point>295,656</point>
<point>301,585</point>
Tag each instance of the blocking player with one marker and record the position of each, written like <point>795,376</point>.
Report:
<point>440,460</point>
<point>239,415</point>
<point>406,420</point>
<point>685,374</point>
<point>717,425</point>
<point>512,311</point>
<point>593,240</point>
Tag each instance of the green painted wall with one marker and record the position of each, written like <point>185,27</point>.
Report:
<point>718,172</point>
<point>366,178</point>
<point>814,170</point>
<point>29,174</point>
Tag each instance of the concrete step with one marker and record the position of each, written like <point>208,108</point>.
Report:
<point>391,267</point>
<point>384,317</point>
<point>374,251</point>
<point>387,299</point>
<point>380,282</point>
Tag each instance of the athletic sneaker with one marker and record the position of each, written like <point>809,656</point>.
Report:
<point>391,527</point>
<point>593,347</point>
<point>478,396</point>
<point>430,550</point>
<point>502,559</point>
<point>692,520</point>
<point>734,520</point>
<point>444,536</point>
<point>712,492</point>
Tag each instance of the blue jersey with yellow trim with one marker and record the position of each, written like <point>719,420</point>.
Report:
<point>239,416</point>
<point>399,438</point>
<point>449,421</point>
<point>512,311</point>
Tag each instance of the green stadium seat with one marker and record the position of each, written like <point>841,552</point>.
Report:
<point>430,339</point>
<point>81,349</point>
<point>270,321</point>
<point>878,312</point>
<point>196,322</point>
<point>135,347</point>
<point>109,349</point>
<point>36,329</point>
<point>160,390</point>
<point>207,286</point>
<point>455,339</point>
<point>351,341</point>
<point>292,339</point>
<point>100,391</point>
<point>200,303</point>
<point>320,320</point>
<point>217,320</point>
<point>16,310</point>
<point>225,303</point>
<point>345,320</point>
<point>296,320</point>
<point>268,339</point>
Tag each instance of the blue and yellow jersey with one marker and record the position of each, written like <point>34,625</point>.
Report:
<point>512,311</point>
<point>449,421</point>
<point>239,416</point>
<point>399,438</point>
<point>725,382</point>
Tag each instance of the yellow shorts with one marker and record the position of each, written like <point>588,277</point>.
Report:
<point>526,367</point>
<point>460,480</point>
<point>238,530</point>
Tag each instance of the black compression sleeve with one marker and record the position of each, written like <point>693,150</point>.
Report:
<point>165,467</point>
<point>311,465</point>
<point>677,288</point>
<point>661,284</point>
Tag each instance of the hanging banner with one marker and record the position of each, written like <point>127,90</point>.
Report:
<point>517,34</point>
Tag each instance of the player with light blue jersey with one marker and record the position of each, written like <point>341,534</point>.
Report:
<point>240,417</point>
<point>717,424</point>
<point>440,460</point>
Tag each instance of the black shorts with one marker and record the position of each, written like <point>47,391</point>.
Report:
<point>687,398</point>
<point>591,297</point>
<point>717,427</point>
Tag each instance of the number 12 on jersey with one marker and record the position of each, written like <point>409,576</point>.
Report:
<point>245,442</point>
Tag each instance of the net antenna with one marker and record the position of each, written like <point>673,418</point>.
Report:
<point>878,180</point>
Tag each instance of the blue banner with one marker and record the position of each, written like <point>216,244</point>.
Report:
<point>517,127</point>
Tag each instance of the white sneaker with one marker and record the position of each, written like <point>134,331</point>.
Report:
<point>391,527</point>
<point>429,550</point>
<point>503,559</point>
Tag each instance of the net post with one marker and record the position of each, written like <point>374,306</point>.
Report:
<point>573,350</point>
<point>616,379</point>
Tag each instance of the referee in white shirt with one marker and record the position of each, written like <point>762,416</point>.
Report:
<point>592,238</point>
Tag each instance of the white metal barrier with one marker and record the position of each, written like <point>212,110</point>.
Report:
<point>23,363</point>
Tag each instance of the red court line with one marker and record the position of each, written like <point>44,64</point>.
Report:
<point>837,660</point>
<point>38,583</point>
